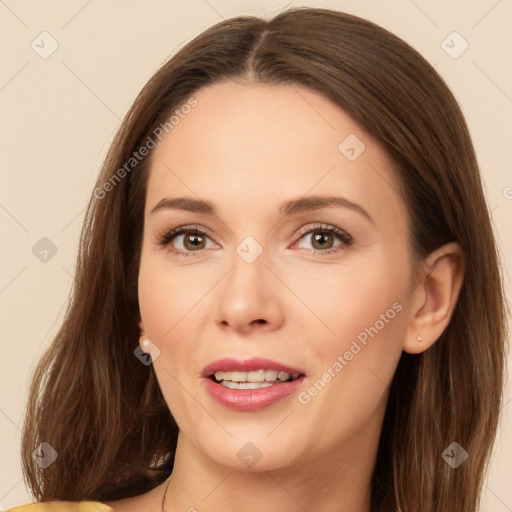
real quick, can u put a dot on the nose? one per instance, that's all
(249, 297)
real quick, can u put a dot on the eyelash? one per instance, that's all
(345, 239)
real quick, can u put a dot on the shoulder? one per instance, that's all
(150, 501)
(63, 506)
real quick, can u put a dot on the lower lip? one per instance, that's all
(251, 399)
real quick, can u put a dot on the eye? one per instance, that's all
(324, 239)
(191, 239)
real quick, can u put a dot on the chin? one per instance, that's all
(251, 454)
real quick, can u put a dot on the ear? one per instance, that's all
(142, 337)
(140, 322)
(435, 297)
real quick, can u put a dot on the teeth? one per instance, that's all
(245, 385)
(254, 377)
(239, 376)
(270, 375)
(258, 376)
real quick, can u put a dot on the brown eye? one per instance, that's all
(193, 241)
(186, 240)
(324, 239)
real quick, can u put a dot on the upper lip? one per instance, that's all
(254, 363)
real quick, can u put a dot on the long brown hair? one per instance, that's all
(101, 409)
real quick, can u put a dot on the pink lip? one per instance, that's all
(255, 363)
(250, 399)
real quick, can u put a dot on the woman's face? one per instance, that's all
(300, 257)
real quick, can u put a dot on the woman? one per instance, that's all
(287, 294)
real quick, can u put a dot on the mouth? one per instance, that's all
(253, 373)
(254, 379)
(252, 384)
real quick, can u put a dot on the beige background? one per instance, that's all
(59, 115)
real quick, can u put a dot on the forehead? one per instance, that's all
(245, 141)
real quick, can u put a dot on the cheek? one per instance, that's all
(356, 340)
(168, 296)
(352, 297)
(354, 360)
(167, 303)
(155, 298)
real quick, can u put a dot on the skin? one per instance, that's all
(247, 148)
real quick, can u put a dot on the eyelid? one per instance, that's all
(165, 237)
(319, 226)
(346, 240)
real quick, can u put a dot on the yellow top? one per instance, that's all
(63, 506)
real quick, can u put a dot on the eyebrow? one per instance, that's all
(291, 207)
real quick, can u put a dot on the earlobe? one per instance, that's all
(437, 297)
(144, 344)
